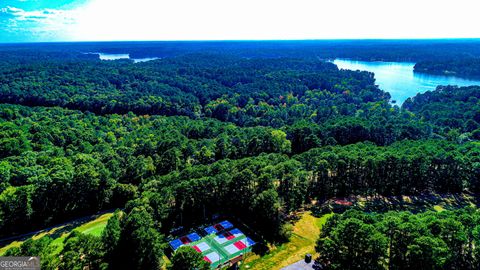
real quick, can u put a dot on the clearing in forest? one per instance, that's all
(59, 233)
(305, 234)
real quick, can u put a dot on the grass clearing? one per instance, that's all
(13, 244)
(53, 231)
(305, 234)
(93, 227)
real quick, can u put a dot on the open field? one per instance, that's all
(305, 233)
(93, 227)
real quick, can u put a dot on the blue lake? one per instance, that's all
(399, 80)
(111, 56)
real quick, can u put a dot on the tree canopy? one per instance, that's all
(170, 142)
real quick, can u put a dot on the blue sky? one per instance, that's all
(101, 20)
(36, 20)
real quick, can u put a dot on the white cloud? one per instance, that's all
(255, 19)
(41, 25)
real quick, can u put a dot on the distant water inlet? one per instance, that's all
(114, 56)
(108, 56)
(399, 79)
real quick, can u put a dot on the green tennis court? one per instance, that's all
(219, 243)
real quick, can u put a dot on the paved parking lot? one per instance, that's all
(300, 265)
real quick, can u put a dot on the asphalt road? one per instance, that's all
(300, 265)
(7, 240)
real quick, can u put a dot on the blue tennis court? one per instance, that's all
(226, 224)
(194, 237)
(250, 242)
(210, 230)
(236, 232)
(176, 244)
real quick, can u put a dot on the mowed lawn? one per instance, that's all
(96, 226)
(305, 234)
(93, 227)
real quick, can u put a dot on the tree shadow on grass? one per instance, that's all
(413, 203)
(260, 249)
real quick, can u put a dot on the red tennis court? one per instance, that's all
(240, 245)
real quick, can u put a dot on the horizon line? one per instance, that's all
(245, 40)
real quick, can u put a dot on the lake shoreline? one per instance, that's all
(399, 78)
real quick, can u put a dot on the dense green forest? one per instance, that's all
(463, 67)
(458, 57)
(401, 240)
(449, 109)
(247, 92)
(172, 141)
(368, 50)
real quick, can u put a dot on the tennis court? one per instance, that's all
(218, 243)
